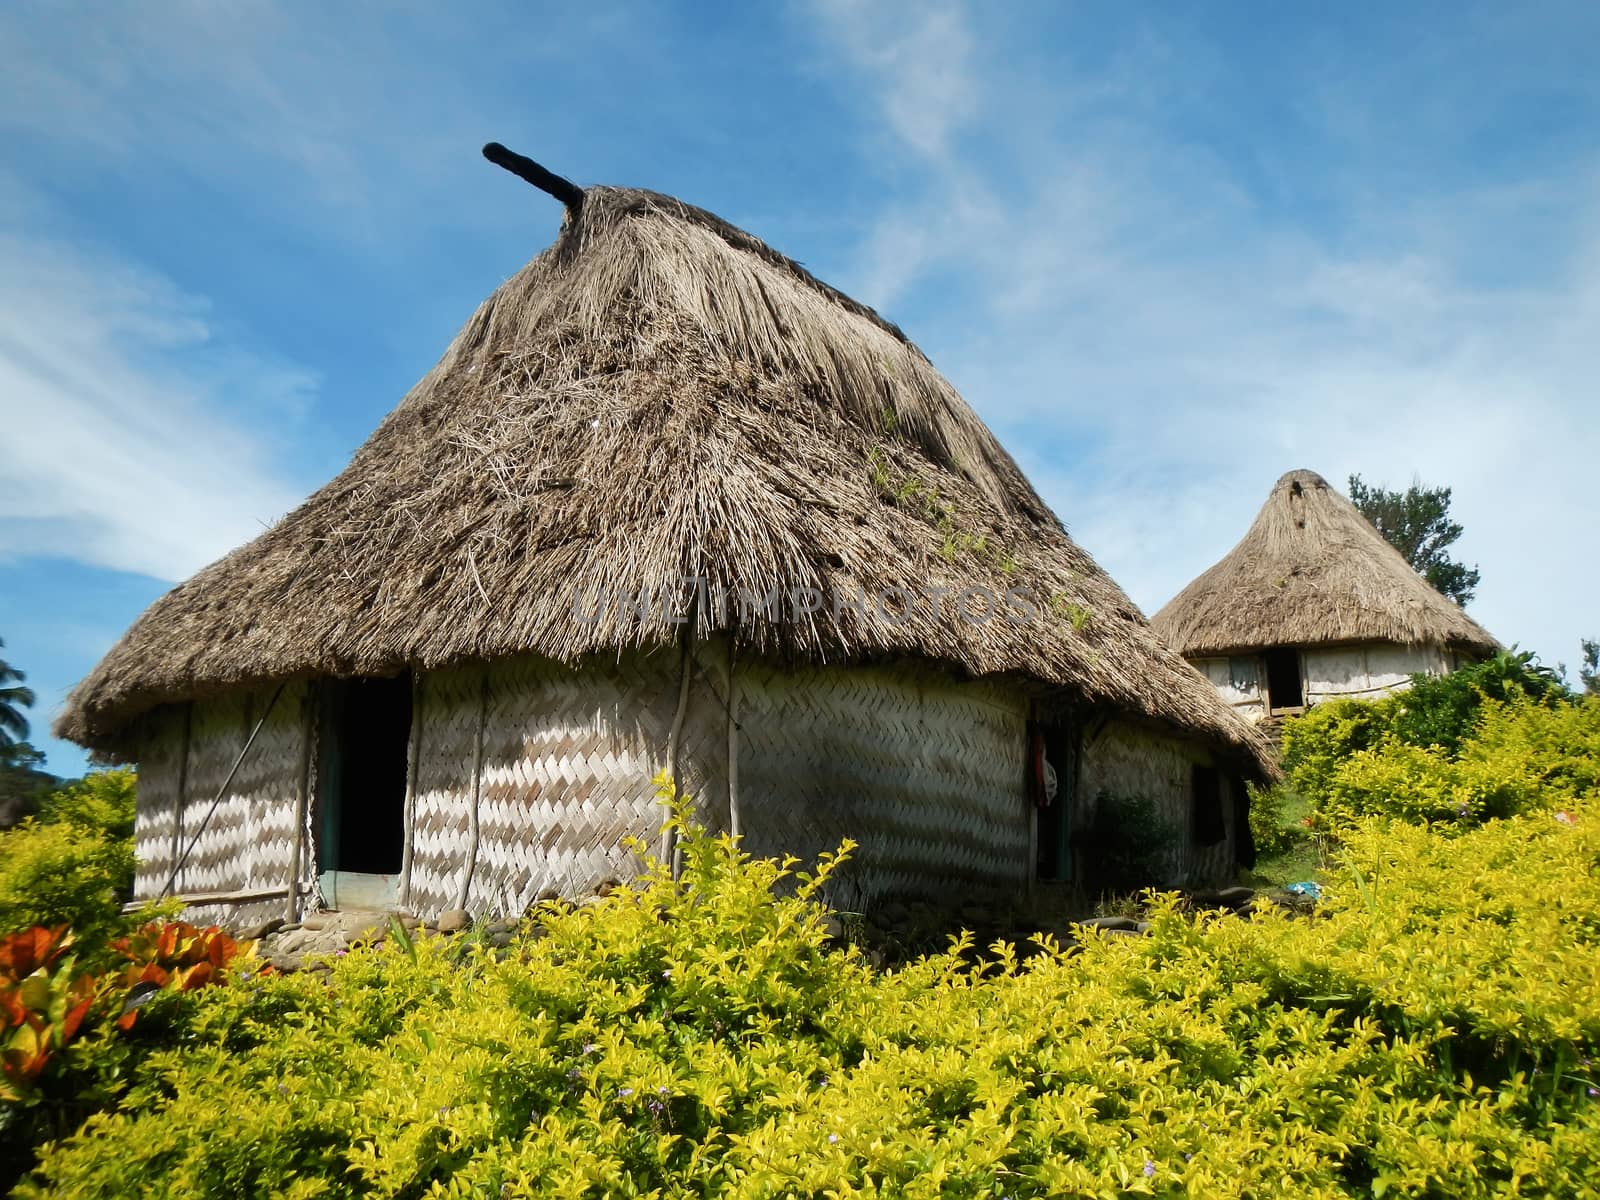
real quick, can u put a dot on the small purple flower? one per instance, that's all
(590, 1047)
(1594, 1091)
(667, 974)
(661, 1091)
(1149, 1169)
(656, 1107)
(624, 1092)
(833, 1139)
(574, 1074)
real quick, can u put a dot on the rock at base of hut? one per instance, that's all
(453, 920)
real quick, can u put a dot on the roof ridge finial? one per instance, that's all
(525, 168)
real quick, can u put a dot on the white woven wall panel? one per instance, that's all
(448, 709)
(160, 772)
(569, 759)
(267, 784)
(248, 840)
(219, 860)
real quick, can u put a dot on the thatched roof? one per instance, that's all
(1312, 571)
(657, 396)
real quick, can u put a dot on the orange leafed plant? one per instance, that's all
(176, 953)
(42, 1004)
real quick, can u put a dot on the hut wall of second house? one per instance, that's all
(1368, 672)
(925, 773)
(1125, 760)
(1240, 682)
(566, 775)
(1329, 673)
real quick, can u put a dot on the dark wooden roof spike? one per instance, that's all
(564, 190)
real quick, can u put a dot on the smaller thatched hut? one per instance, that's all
(1313, 604)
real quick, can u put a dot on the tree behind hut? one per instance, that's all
(1589, 668)
(1417, 523)
(13, 699)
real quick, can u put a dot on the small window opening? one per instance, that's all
(1206, 823)
(366, 730)
(1283, 678)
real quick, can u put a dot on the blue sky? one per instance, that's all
(1168, 251)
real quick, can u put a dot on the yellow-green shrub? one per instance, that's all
(101, 800)
(1441, 714)
(63, 874)
(1522, 755)
(1428, 1037)
(1318, 742)
(73, 863)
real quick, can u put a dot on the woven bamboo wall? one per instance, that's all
(267, 784)
(1123, 759)
(445, 719)
(248, 840)
(155, 819)
(567, 762)
(925, 773)
(219, 859)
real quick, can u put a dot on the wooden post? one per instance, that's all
(302, 802)
(735, 827)
(473, 831)
(669, 840)
(183, 786)
(413, 763)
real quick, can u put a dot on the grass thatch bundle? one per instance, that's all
(658, 396)
(1312, 571)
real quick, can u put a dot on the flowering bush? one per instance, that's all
(1430, 1035)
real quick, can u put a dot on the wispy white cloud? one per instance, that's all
(917, 58)
(111, 382)
(1160, 347)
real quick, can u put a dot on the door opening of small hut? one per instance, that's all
(1053, 770)
(1284, 688)
(361, 790)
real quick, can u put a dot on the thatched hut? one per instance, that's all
(1314, 604)
(667, 501)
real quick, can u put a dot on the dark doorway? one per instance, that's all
(1207, 826)
(1244, 841)
(1055, 747)
(1283, 679)
(366, 728)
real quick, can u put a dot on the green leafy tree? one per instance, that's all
(13, 699)
(1589, 669)
(1417, 523)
